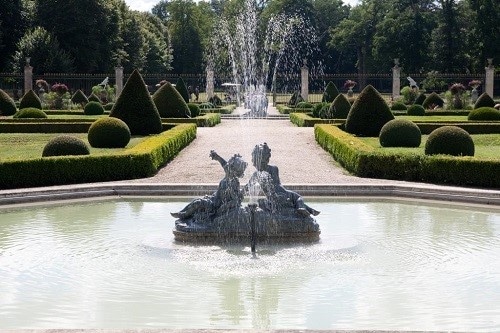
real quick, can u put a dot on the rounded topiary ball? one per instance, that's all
(449, 140)
(109, 132)
(195, 109)
(484, 113)
(398, 106)
(400, 133)
(416, 110)
(65, 145)
(93, 108)
(30, 113)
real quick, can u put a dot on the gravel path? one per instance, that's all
(294, 150)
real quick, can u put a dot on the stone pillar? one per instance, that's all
(304, 81)
(210, 87)
(118, 79)
(28, 76)
(396, 80)
(489, 78)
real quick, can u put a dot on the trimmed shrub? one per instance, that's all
(194, 109)
(108, 107)
(331, 92)
(317, 109)
(484, 100)
(136, 107)
(432, 101)
(420, 99)
(340, 107)
(416, 110)
(449, 140)
(109, 132)
(398, 106)
(304, 105)
(295, 99)
(94, 98)
(484, 113)
(400, 133)
(80, 98)
(206, 105)
(324, 111)
(180, 86)
(215, 100)
(93, 108)
(7, 105)
(170, 103)
(30, 100)
(368, 113)
(30, 113)
(65, 145)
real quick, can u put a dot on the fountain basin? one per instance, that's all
(379, 265)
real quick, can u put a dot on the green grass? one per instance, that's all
(19, 146)
(486, 146)
(435, 118)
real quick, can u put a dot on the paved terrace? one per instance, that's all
(304, 167)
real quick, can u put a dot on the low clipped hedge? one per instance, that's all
(305, 120)
(206, 120)
(484, 113)
(363, 161)
(141, 161)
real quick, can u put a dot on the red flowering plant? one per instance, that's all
(475, 83)
(349, 84)
(457, 88)
(60, 88)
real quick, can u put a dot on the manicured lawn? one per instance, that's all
(486, 146)
(14, 146)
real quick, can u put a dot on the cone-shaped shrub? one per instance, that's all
(368, 113)
(484, 100)
(340, 107)
(94, 98)
(30, 100)
(79, 98)
(170, 103)
(136, 107)
(420, 99)
(432, 101)
(182, 89)
(331, 92)
(7, 104)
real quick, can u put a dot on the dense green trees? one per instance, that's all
(91, 36)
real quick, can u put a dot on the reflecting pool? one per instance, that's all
(380, 264)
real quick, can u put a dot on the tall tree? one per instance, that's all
(87, 29)
(486, 29)
(13, 24)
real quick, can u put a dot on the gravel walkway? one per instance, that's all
(294, 150)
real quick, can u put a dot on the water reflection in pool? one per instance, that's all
(379, 265)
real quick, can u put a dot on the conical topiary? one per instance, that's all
(136, 107)
(7, 104)
(484, 100)
(340, 107)
(79, 98)
(30, 100)
(94, 98)
(368, 113)
(182, 89)
(170, 103)
(331, 92)
(420, 99)
(432, 101)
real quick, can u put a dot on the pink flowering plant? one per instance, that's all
(475, 83)
(349, 84)
(60, 88)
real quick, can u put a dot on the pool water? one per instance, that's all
(380, 264)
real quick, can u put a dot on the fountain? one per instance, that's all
(279, 215)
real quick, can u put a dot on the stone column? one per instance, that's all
(488, 81)
(28, 76)
(304, 81)
(396, 79)
(118, 79)
(210, 87)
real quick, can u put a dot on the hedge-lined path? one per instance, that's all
(294, 150)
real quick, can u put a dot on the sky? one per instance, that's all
(146, 5)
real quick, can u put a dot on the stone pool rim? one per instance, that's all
(396, 191)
